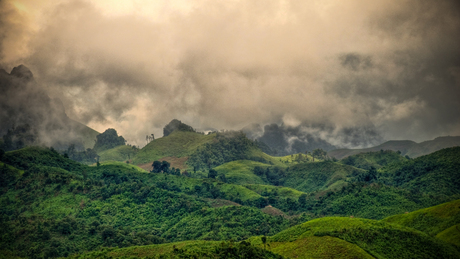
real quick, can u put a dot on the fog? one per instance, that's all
(372, 69)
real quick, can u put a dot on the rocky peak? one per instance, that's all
(22, 71)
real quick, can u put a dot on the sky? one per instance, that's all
(393, 66)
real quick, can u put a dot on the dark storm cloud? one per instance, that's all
(414, 89)
(364, 68)
(355, 61)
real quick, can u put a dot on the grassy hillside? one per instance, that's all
(226, 223)
(186, 249)
(328, 175)
(120, 153)
(177, 144)
(373, 159)
(451, 236)
(378, 239)
(406, 147)
(281, 192)
(241, 172)
(432, 220)
(436, 174)
(125, 166)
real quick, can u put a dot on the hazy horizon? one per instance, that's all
(392, 68)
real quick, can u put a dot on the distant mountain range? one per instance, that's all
(406, 147)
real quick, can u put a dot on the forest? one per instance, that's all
(53, 206)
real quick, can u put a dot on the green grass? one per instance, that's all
(185, 249)
(432, 220)
(377, 238)
(12, 168)
(451, 235)
(124, 165)
(120, 153)
(239, 191)
(241, 172)
(318, 247)
(225, 223)
(282, 161)
(327, 175)
(373, 159)
(283, 192)
(177, 144)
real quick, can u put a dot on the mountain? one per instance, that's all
(406, 147)
(52, 206)
(329, 237)
(176, 125)
(338, 237)
(285, 140)
(30, 117)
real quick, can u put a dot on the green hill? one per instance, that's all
(186, 249)
(433, 220)
(119, 153)
(406, 147)
(241, 172)
(344, 237)
(437, 174)
(226, 223)
(373, 159)
(327, 175)
(176, 144)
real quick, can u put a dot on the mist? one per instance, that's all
(367, 70)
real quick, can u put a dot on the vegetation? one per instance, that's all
(226, 147)
(119, 153)
(52, 206)
(188, 249)
(432, 220)
(376, 238)
(176, 144)
(176, 125)
(374, 159)
(107, 140)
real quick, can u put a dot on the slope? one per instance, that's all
(436, 174)
(335, 237)
(327, 175)
(373, 159)
(432, 220)
(119, 153)
(177, 144)
(406, 147)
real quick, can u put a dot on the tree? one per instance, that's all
(107, 140)
(264, 240)
(156, 167)
(165, 166)
(258, 170)
(212, 173)
(319, 153)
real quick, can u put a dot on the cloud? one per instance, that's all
(215, 64)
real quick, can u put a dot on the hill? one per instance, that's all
(186, 249)
(176, 144)
(376, 160)
(436, 174)
(406, 147)
(433, 220)
(327, 175)
(335, 237)
(119, 153)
